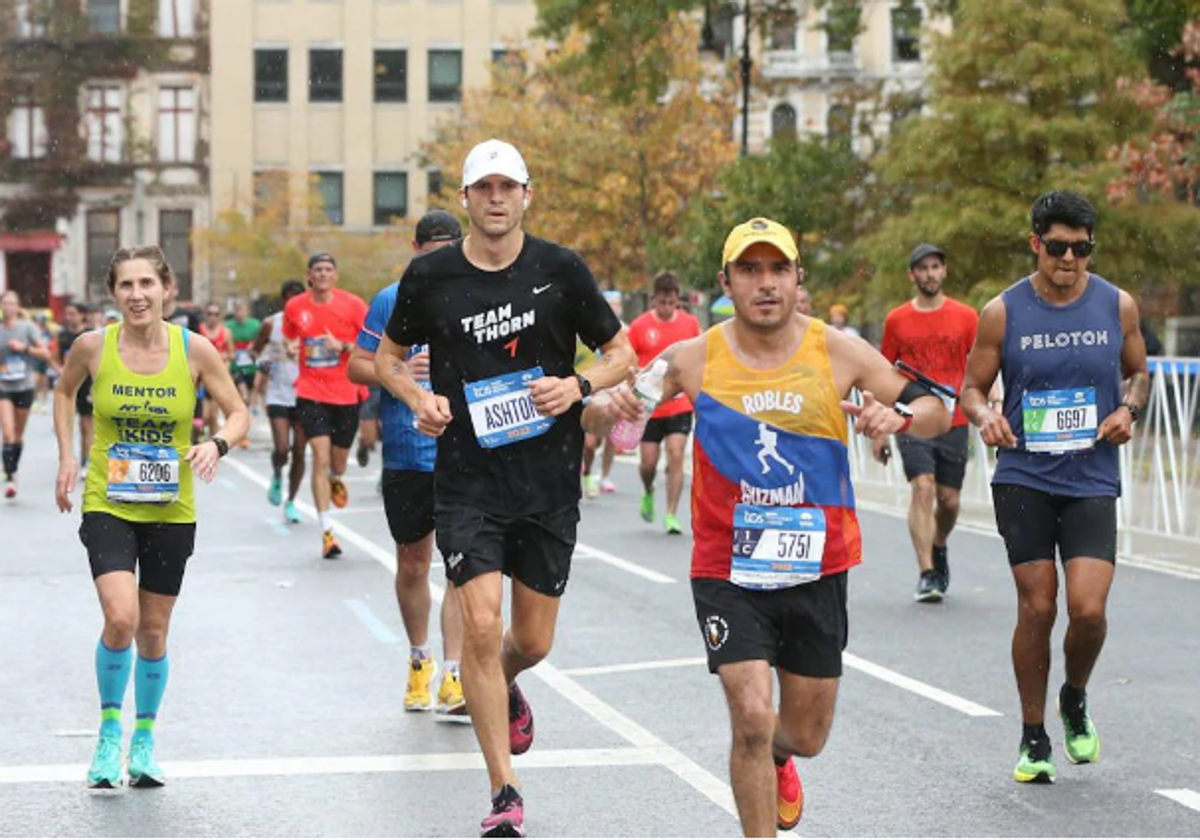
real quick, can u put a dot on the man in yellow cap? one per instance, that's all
(773, 509)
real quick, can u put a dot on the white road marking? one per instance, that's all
(341, 765)
(587, 551)
(1186, 798)
(635, 666)
(918, 687)
(372, 622)
(678, 763)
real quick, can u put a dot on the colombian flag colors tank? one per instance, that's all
(770, 438)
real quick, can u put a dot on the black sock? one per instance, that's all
(278, 462)
(10, 465)
(1071, 698)
(1034, 733)
(18, 448)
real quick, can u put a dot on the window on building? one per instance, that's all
(105, 141)
(176, 19)
(177, 124)
(31, 19)
(324, 75)
(435, 182)
(838, 123)
(391, 75)
(104, 17)
(445, 75)
(906, 34)
(103, 239)
(329, 189)
(271, 195)
(271, 75)
(783, 120)
(783, 30)
(175, 239)
(27, 128)
(508, 61)
(391, 196)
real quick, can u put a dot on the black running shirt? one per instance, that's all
(483, 324)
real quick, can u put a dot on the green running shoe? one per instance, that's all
(1034, 765)
(647, 510)
(144, 771)
(105, 772)
(1079, 735)
(275, 492)
(672, 524)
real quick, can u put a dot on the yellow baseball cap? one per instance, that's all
(755, 231)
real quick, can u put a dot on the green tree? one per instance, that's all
(1157, 27)
(1016, 109)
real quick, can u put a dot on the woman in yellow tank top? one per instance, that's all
(139, 513)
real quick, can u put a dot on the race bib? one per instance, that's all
(502, 410)
(776, 548)
(318, 355)
(1059, 421)
(12, 368)
(140, 472)
(243, 359)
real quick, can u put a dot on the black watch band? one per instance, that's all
(585, 386)
(1134, 411)
(222, 446)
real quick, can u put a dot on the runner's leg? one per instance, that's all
(753, 722)
(483, 676)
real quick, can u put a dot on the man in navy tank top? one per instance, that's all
(1063, 340)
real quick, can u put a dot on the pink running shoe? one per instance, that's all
(607, 486)
(507, 818)
(520, 722)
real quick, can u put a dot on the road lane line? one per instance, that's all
(373, 623)
(342, 765)
(1186, 798)
(683, 767)
(634, 666)
(917, 687)
(594, 553)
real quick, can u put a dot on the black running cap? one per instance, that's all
(922, 251)
(438, 226)
(323, 256)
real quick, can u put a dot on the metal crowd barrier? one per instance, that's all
(1160, 466)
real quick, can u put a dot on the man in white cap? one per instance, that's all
(501, 312)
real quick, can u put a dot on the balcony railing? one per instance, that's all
(797, 64)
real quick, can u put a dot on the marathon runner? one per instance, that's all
(278, 360)
(20, 343)
(74, 316)
(408, 458)
(772, 506)
(213, 328)
(139, 515)
(1063, 340)
(501, 313)
(326, 321)
(243, 330)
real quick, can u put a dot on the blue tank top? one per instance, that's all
(1062, 376)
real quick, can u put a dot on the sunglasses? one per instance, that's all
(213, 312)
(1057, 248)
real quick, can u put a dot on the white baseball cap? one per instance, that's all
(494, 157)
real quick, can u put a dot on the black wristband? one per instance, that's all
(1134, 411)
(222, 446)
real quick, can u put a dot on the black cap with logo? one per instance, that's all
(438, 226)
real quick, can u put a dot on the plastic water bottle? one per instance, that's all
(648, 388)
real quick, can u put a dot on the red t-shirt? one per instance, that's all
(221, 338)
(934, 342)
(650, 336)
(323, 376)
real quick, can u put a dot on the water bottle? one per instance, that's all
(648, 388)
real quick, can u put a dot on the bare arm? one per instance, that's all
(214, 374)
(983, 365)
(861, 366)
(685, 362)
(264, 336)
(432, 410)
(77, 368)
(1117, 428)
(554, 395)
(361, 367)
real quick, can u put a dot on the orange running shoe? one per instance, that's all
(338, 494)
(791, 796)
(329, 546)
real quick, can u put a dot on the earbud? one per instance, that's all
(464, 204)
(525, 202)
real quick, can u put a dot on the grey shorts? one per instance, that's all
(944, 457)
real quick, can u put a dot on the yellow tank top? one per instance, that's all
(143, 425)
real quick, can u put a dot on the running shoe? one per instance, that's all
(591, 486)
(338, 494)
(450, 699)
(607, 486)
(290, 513)
(418, 697)
(1080, 736)
(105, 772)
(329, 546)
(10, 489)
(507, 818)
(144, 771)
(275, 491)
(647, 509)
(790, 795)
(520, 722)
(941, 565)
(929, 588)
(1035, 764)
(672, 524)
(363, 455)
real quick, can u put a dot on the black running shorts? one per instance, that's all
(282, 412)
(83, 399)
(802, 630)
(657, 428)
(408, 503)
(535, 549)
(1034, 522)
(156, 551)
(944, 457)
(21, 400)
(339, 423)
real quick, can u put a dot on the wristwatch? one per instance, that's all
(1134, 411)
(222, 446)
(585, 386)
(907, 413)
